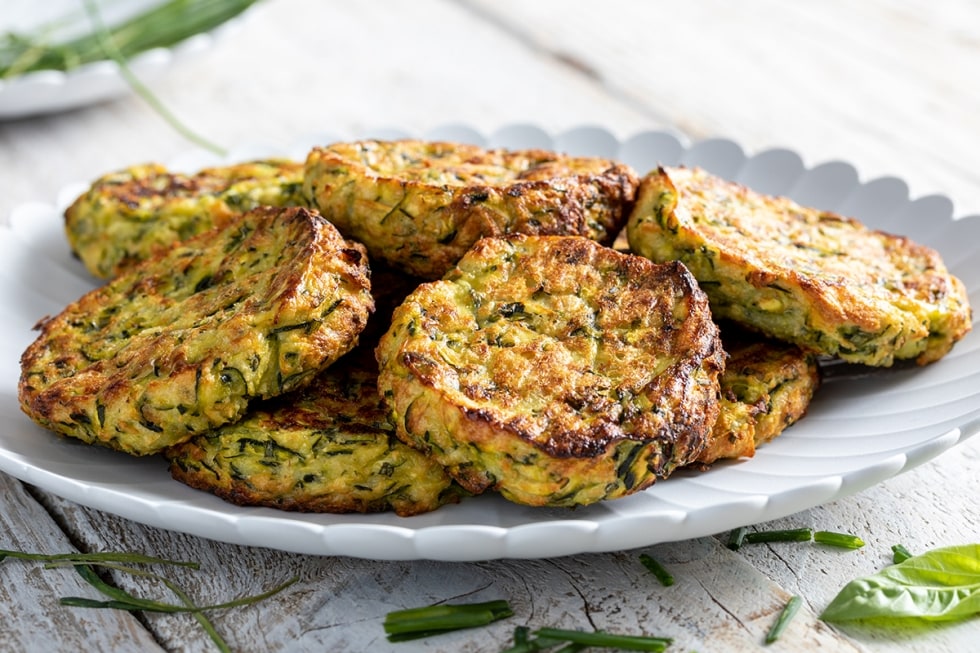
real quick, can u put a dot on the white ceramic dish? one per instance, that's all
(863, 427)
(50, 91)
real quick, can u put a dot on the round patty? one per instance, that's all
(420, 205)
(182, 343)
(326, 448)
(127, 216)
(555, 370)
(766, 387)
(814, 278)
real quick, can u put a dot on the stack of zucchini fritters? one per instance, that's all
(400, 324)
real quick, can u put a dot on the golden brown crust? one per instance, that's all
(766, 387)
(127, 216)
(554, 370)
(326, 448)
(815, 278)
(420, 205)
(183, 342)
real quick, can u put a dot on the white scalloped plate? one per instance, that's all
(861, 428)
(50, 91)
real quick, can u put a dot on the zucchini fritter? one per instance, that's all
(555, 370)
(767, 386)
(814, 278)
(180, 344)
(127, 216)
(326, 448)
(420, 205)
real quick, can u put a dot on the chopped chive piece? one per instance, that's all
(571, 647)
(412, 614)
(788, 535)
(736, 538)
(623, 642)
(521, 634)
(524, 644)
(415, 623)
(657, 570)
(900, 554)
(785, 615)
(842, 540)
(544, 644)
(541, 643)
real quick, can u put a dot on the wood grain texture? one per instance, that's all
(340, 603)
(346, 68)
(888, 86)
(913, 509)
(721, 600)
(31, 616)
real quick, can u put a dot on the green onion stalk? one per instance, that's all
(162, 26)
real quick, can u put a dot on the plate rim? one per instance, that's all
(431, 537)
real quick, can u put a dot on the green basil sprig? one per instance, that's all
(939, 585)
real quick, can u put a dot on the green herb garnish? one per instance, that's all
(939, 585)
(785, 615)
(112, 51)
(608, 640)
(415, 623)
(788, 535)
(83, 564)
(657, 570)
(740, 536)
(842, 540)
(161, 26)
(900, 554)
(736, 538)
(523, 643)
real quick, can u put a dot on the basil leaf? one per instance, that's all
(942, 584)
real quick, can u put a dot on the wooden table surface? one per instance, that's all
(890, 86)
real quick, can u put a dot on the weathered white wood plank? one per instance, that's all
(719, 601)
(720, 598)
(300, 67)
(29, 611)
(914, 509)
(889, 86)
